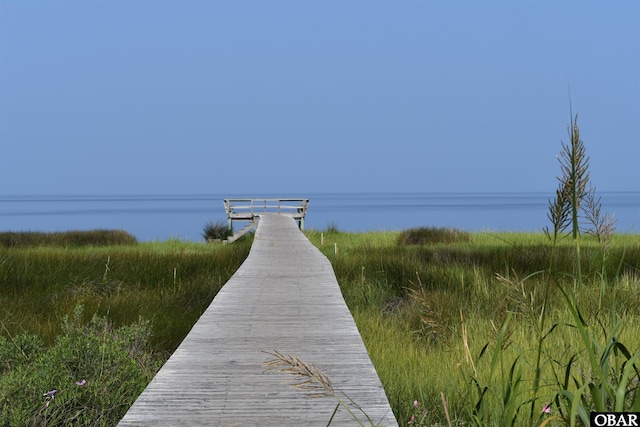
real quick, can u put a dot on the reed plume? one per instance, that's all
(305, 377)
(315, 383)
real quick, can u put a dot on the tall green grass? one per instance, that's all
(169, 283)
(66, 238)
(462, 320)
(83, 329)
(454, 326)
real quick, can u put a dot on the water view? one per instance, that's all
(162, 217)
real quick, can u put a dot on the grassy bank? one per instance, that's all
(88, 323)
(78, 238)
(483, 325)
(477, 328)
(169, 283)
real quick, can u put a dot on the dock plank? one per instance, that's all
(284, 297)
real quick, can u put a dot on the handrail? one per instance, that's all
(247, 209)
(255, 206)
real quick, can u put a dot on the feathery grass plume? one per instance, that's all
(574, 164)
(564, 211)
(307, 378)
(314, 383)
(602, 225)
(559, 212)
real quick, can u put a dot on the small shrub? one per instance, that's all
(90, 376)
(332, 228)
(215, 230)
(16, 350)
(426, 235)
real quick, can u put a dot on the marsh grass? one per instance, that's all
(427, 235)
(137, 303)
(74, 238)
(459, 320)
(464, 320)
(169, 283)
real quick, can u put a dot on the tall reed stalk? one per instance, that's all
(606, 386)
(608, 378)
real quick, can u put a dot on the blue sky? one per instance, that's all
(297, 97)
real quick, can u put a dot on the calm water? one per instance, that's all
(161, 217)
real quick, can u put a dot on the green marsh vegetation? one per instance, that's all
(67, 238)
(169, 283)
(502, 329)
(74, 310)
(453, 318)
(425, 311)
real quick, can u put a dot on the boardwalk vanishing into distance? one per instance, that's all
(285, 298)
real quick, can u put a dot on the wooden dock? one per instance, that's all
(284, 297)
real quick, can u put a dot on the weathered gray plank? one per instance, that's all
(284, 297)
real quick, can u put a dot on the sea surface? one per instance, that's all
(170, 216)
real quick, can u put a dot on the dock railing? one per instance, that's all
(248, 209)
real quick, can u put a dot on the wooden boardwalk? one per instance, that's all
(284, 297)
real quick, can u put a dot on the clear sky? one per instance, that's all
(295, 97)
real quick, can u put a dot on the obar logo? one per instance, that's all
(606, 419)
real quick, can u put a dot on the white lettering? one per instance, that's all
(600, 420)
(616, 420)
